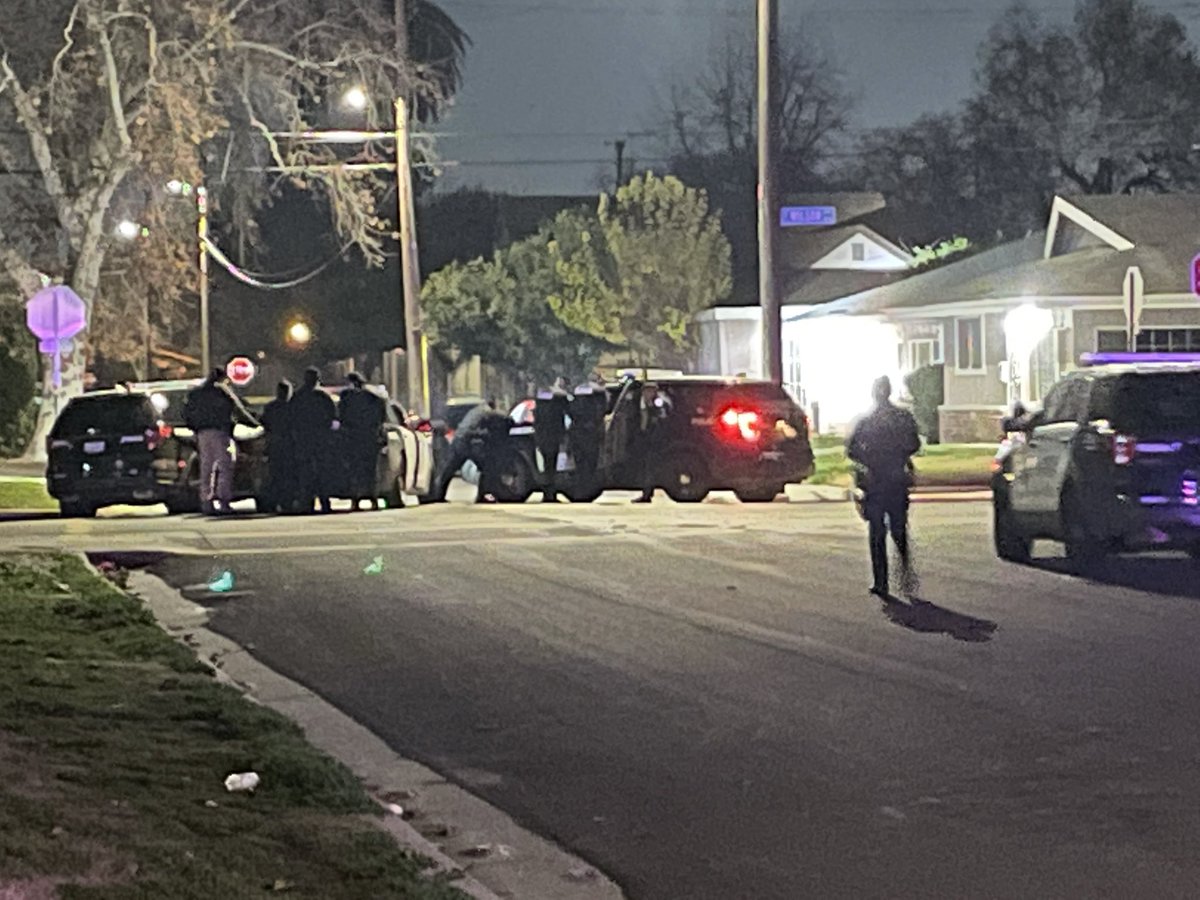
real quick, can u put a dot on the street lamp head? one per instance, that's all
(356, 99)
(128, 229)
(299, 334)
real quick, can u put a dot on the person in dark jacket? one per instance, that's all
(549, 430)
(361, 413)
(279, 495)
(882, 445)
(210, 411)
(481, 438)
(312, 417)
(653, 409)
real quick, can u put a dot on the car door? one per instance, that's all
(1041, 465)
(620, 431)
(393, 459)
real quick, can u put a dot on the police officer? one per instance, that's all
(481, 438)
(586, 434)
(210, 411)
(361, 413)
(280, 491)
(882, 445)
(654, 408)
(312, 413)
(549, 429)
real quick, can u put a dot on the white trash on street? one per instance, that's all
(242, 781)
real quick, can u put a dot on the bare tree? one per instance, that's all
(103, 102)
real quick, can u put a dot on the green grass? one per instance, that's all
(25, 493)
(115, 742)
(939, 465)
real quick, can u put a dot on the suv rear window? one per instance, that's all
(107, 415)
(1160, 401)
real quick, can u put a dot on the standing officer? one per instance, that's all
(586, 435)
(654, 408)
(362, 412)
(312, 433)
(549, 429)
(882, 445)
(280, 493)
(211, 411)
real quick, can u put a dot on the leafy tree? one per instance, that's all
(103, 102)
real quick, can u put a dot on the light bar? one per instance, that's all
(1107, 359)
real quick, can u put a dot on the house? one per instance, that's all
(818, 264)
(1009, 322)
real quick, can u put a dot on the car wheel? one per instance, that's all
(760, 494)
(1082, 548)
(1011, 545)
(685, 479)
(514, 482)
(77, 510)
(185, 503)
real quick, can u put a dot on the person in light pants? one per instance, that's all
(218, 456)
(210, 412)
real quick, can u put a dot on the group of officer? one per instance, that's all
(308, 436)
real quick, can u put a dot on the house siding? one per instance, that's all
(1088, 322)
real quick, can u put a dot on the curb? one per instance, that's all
(499, 858)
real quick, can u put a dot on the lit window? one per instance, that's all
(969, 356)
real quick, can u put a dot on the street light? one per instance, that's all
(355, 98)
(299, 334)
(128, 230)
(1024, 329)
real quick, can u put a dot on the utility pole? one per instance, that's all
(202, 233)
(620, 145)
(415, 348)
(768, 289)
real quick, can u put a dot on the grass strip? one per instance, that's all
(114, 746)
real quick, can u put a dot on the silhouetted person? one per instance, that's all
(549, 429)
(653, 409)
(882, 445)
(211, 411)
(312, 414)
(481, 438)
(586, 434)
(279, 494)
(362, 413)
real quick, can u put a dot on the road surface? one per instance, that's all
(706, 703)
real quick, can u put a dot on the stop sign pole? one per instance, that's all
(1134, 290)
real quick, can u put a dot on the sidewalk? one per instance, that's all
(22, 468)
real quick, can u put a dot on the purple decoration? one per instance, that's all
(1101, 359)
(55, 315)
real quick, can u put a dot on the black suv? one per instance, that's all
(716, 434)
(129, 446)
(1110, 463)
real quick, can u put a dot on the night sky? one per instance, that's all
(554, 80)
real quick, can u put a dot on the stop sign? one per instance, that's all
(240, 370)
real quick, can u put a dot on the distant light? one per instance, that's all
(128, 230)
(299, 334)
(175, 186)
(159, 401)
(355, 98)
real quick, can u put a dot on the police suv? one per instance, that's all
(1109, 463)
(711, 433)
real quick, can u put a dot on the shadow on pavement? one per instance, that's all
(1175, 576)
(28, 515)
(928, 618)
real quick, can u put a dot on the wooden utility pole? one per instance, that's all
(417, 382)
(768, 130)
(620, 145)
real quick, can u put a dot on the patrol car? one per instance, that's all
(1110, 463)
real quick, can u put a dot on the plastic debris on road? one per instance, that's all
(395, 809)
(375, 567)
(222, 583)
(242, 781)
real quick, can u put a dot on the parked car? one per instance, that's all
(1110, 463)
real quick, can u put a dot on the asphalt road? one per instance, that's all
(706, 703)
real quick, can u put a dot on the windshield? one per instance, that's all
(107, 415)
(1167, 402)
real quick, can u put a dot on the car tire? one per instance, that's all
(685, 479)
(760, 494)
(77, 510)
(1083, 549)
(514, 482)
(184, 503)
(1011, 544)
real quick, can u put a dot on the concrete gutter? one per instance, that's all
(464, 836)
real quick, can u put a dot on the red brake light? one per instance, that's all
(740, 423)
(1124, 448)
(155, 436)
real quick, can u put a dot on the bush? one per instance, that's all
(927, 388)
(18, 380)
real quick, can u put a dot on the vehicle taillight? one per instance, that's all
(155, 436)
(740, 423)
(56, 444)
(1124, 447)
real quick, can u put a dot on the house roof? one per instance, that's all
(1160, 234)
(812, 287)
